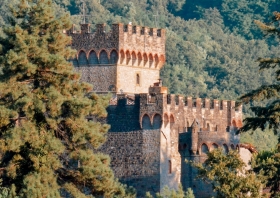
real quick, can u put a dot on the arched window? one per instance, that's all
(172, 120)
(114, 57)
(234, 123)
(157, 121)
(214, 146)
(204, 149)
(225, 148)
(82, 59)
(137, 79)
(139, 57)
(146, 122)
(103, 58)
(93, 59)
(128, 57)
(134, 59)
(151, 60)
(156, 61)
(122, 56)
(145, 57)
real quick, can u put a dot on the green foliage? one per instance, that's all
(267, 164)
(263, 140)
(228, 175)
(46, 142)
(266, 115)
(168, 193)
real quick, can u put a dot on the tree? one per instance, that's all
(228, 175)
(267, 165)
(168, 193)
(266, 115)
(46, 143)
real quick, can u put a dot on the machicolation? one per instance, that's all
(152, 132)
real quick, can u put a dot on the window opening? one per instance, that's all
(137, 79)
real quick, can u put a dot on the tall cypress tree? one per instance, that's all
(46, 143)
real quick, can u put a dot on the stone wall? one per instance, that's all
(135, 159)
(126, 78)
(102, 77)
(123, 118)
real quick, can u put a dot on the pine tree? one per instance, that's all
(46, 142)
(266, 115)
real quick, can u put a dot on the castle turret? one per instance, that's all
(194, 137)
(126, 59)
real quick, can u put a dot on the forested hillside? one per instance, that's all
(212, 45)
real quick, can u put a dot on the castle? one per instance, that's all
(152, 132)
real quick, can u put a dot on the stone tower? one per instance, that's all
(126, 59)
(151, 134)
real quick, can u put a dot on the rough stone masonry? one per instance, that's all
(152, 133)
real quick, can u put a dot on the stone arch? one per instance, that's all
(165, 119)
(204, 149)
(134, 59)
(82, 58)
(128, 57)
(151, 60)
(225, 148)
(114, 57)
(234, 123)
(145, 58)
(239, 123)
(103, 57)
(93, 59)
(157, 121)
(122, 56)
(156, 61)
(146, 122)
(161, 60)
(214, 146)
(139, 58)
(237, 147)
(171, 120)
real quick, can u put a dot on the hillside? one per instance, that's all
(212, 45)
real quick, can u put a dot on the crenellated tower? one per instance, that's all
(152, 132)
(126, 59)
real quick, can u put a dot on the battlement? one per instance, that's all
(178, 100)
(123, 44)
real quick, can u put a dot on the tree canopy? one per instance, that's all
(229, 176)
(268, 113)
(46, 142)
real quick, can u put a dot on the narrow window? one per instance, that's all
(170, 167)
(137, 79)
